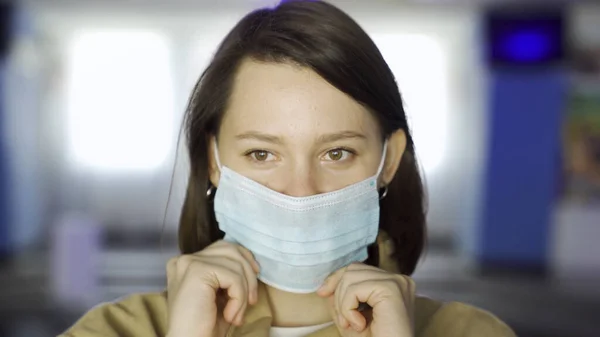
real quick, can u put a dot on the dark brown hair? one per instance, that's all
(320, 37)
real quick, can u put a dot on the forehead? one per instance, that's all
(291, 100)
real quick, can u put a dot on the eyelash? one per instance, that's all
(251, 155)
(351, 152)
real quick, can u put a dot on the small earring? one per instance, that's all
(385, 192)
(210, 191)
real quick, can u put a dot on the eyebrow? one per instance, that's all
(326, 138)
(333, 137)
(264, 137)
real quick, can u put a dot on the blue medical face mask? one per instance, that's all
(298, 241)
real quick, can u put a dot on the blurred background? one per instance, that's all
(503, 98)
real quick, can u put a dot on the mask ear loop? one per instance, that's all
(382, 162)
(211, 189)
(380, 169)
(216, 153)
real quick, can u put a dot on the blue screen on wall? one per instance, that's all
(524, 38)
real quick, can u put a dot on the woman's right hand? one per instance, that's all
(210, 290)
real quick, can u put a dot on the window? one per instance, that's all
(120, 100)
(420, 67)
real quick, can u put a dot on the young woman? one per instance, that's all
(304, 213)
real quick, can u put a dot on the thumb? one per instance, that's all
(344, 328)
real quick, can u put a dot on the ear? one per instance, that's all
(214, 173)
(396, 145)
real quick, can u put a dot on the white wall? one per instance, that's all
(443, 92)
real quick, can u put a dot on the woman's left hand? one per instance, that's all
(390, 299)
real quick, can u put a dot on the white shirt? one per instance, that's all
(297, 332)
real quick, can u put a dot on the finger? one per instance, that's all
(331, 283)
(226, 274)
(333, 310)
(236, 304)
(251, 269)
(406, 286)
(338, 295)
(250, 258)
(245, 258)
(357, 274)
(249, 276)
(338, 319)
(353, 273)
(356, 293)
(244, 268)
(241, 267)
(242, 271)
(349, 320)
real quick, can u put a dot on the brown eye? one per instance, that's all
(261, 155)
(336, 154)
(339, 154)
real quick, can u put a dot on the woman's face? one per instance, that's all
(290, 130)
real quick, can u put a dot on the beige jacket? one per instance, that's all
(145, 315)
